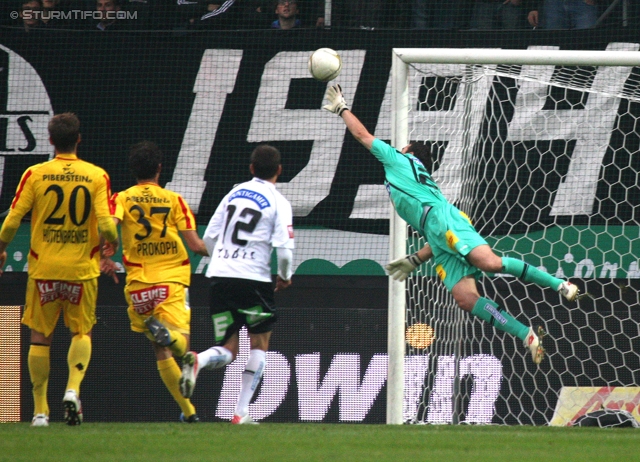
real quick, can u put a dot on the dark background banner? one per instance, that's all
(131, 86)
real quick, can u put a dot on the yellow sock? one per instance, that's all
(38, 360)
(170, 374)
(179, 345)
(78, 359)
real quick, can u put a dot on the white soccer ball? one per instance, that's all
(325, 64)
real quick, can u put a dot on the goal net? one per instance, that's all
(539, 147)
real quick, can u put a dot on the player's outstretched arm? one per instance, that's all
(401, 268)
(338, 105)
(194, 242)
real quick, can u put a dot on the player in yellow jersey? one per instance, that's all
(158, 269)
(69, 200)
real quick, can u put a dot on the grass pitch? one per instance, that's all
(271, 442)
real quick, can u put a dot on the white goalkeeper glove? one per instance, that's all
(338, 104)
(400, 269)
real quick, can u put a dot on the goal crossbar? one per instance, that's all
(515, 57)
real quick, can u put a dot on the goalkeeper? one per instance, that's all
(460, 254)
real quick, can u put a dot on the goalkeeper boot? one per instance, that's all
(246, 420)
(534, 343)
(72, 408)
(569, 291)
(190, 371)
(193, 418)
(40, 420)
(160, 333)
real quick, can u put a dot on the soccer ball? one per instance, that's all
(325, 64)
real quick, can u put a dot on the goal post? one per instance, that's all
(536, 147)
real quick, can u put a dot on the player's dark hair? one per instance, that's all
(422, 152)
(145, 158)
(265, 160)
(64, 130)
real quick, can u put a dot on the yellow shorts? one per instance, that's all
(76, 300)
(167, 301)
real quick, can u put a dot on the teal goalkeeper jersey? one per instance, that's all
(411, 188)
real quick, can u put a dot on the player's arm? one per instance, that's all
(108, 250)
(104, 205)
(109, 234)
(21, 204)
(194, 242)
(3, 254)
(7, 233)
(338, 105)
(401, 268)
(214, 227)
(285, 268)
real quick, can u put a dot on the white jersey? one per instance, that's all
(251, 220)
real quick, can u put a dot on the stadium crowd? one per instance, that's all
(289, 14)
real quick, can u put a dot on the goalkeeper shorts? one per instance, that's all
(452, 236)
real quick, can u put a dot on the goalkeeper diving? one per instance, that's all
(460, 254)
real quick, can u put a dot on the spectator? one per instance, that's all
(436, 14)
(219, 15)
(313, 13)
(64, 259)
(30, 13)
(564, 14)
(363, 14)
(108, 10)
(49, 18)
(287, 12)
(144, 12)
(498, 14)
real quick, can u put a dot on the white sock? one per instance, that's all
(214, 358)
(250, 380)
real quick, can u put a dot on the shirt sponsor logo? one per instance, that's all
(256, 197)
(452, 240)
(145, 300)
(67, 177)
(148, 199)
(59, 290)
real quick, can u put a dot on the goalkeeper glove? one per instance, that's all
(338, 104)
(400, 269)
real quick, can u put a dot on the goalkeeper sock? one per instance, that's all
(39, 366)
(78, 359)
(490, 312)
(170, 374)
(528, 273)
(250, 380)
(214, 358)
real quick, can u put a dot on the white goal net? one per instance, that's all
(540, 148)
